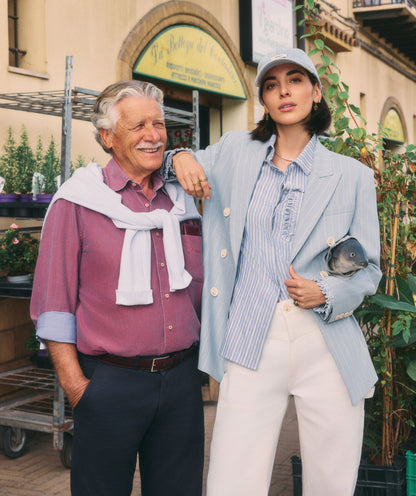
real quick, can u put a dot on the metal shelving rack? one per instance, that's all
(77, 103)
(40, 386)
(42, 405)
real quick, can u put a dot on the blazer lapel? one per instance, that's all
(320, 188)
(249, 161)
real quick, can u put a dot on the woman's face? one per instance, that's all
(288, 94)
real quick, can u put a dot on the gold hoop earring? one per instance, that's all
(315, 107)
(266, 116)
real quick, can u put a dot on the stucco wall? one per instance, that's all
(94, 33)
(102, 36)
(379, 82)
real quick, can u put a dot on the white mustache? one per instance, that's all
(149, 147)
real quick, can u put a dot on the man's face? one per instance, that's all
(140, 137)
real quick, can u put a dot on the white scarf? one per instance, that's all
(86, 187)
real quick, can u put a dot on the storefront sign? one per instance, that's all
(264, 26)
(393, 127)
(188, 56)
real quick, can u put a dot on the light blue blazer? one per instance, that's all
(339, 200)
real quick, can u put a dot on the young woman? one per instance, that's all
(275, 324)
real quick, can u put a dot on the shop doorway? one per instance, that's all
(180, 137)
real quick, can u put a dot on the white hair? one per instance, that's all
(105, 114)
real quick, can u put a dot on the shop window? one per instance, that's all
(180, 137)
(15, 51)
(414, 129)
(27, 39)
(363, 105)
(394, 133)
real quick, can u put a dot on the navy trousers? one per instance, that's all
(124, 413)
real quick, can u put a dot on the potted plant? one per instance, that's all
(50, 170)
(388, 318)
(25, 161)
(79, 162)
(18, 254)
(8, 169)
(40, 355)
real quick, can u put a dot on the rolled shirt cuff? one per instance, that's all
(166, 170)
(57, 326)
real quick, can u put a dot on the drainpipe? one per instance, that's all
(300, 30)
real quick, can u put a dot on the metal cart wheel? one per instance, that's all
(66, 451)
(13, 441)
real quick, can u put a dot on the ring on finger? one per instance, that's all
(296, 303)
(204, 179)
(196, 184)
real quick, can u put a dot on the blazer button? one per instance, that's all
(330, 241)
(223, 253)
(323, 273)
(214, 291)
(226, 212)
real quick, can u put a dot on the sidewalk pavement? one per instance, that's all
(39, 471)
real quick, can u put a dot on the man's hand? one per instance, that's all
(305, 292)
(71, 378)
(75, 392)
(191, 175)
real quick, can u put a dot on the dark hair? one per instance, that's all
(319, 120)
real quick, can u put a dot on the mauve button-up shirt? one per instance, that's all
(74, 290)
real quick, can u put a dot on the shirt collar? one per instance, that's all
(116, 179)
(270, 147)
(304, 160)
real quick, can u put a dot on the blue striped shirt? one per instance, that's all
(265, 255)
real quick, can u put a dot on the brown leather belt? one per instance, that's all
(149, 363)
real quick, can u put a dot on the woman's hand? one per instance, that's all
(304, 292)
(191, 175)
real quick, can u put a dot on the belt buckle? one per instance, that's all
(154, 361)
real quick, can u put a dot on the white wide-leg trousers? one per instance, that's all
(252, 405)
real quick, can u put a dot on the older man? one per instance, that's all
(116, 298)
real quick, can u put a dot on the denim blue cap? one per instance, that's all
(284, 56)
